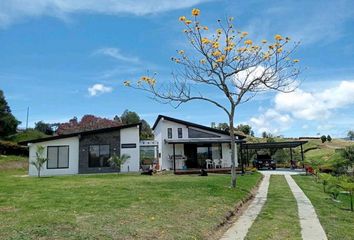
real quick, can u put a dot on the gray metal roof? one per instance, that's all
(201, 140)
(273, 145)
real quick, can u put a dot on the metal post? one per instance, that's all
(291, 157)
(174, 158)
(302, 157)
(27, 118)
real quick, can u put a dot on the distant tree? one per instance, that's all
(252, 133)
(146, 132)
(40, 159)
(117, 161)
(8, 123)
(323, 138)
(129, 117)
(270, 139)
(87, 122)
(264, 134)
(223, 126)
(350, 134)
(246, 129)
(348, 154)
(329, 138)
(43, 127)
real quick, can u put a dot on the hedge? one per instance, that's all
(10, 148)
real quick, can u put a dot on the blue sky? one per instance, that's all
(69, 58)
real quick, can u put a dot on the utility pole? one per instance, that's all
(27, 118)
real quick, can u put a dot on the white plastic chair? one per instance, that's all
(218, 163)
(209, 162)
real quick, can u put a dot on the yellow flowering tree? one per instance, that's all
(230, 64)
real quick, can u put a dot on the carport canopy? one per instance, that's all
(273, 145)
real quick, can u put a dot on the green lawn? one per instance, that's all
(335, 218)
(279, 218)
(118, 206)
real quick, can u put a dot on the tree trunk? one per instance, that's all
(39, 172)
(233, 164)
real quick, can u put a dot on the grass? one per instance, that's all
(279, 216)
(116, 206)
(29, 134)
(335, 217)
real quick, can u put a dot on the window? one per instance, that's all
(180, 133)
(99, 155)
(169, 132)
(58, 157)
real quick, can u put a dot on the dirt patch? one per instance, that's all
(11, 165)
(232, 216)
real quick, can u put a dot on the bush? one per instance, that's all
(9, 148)
(29, 134)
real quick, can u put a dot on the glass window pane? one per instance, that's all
(94, 153)
(52, 157)
(104, 155)
(63, 157)
(169, 132)
(216, 151)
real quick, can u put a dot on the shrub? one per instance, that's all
(10, 148)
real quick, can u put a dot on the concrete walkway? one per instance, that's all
(311, 228)
(240, 228)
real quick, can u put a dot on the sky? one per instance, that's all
(64, 58)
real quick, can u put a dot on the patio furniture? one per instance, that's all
(209, 163)
(218, 163)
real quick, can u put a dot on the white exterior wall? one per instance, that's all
(160, 133)
(73, 144)
(130, 135)
(226, 155)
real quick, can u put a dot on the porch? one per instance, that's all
(212, 155)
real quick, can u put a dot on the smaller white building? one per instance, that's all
(88, 151)
(184, 145)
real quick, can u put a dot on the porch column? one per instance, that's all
(174, 158)
(241, 156)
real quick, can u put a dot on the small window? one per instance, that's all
(180, 133)
(99, 155)
(58, 157)
(169, 132)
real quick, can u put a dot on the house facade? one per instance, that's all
(88, 151)
(184, 145)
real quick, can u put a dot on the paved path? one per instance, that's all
(240, 228)
(311, 228)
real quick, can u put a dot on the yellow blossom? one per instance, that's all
(248, 42)
(218, 31)
(182, 18)
(181, 52)
(264, 41)
(206, 28)
(279, 50)
(216, 53)
(244, 34)
(271, 46)
(188, 22)
(296, 60)
(195, 12)
(216, 44)
(203, 61)
(287, 39)
(221, 58)
(126, 83)
(231, 19)
(266, 56)
(205, 41)
(278, 37)
(228, 48)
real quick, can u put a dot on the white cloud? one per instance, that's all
(316, 105)
(116, 54)
(271, 121)
(14, 10)
(98, 89)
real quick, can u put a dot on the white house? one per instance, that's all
(88, 151)
(184, 145)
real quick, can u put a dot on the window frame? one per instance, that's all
(99, 153)
(58, 146)
(179, 132)
(169, 133)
